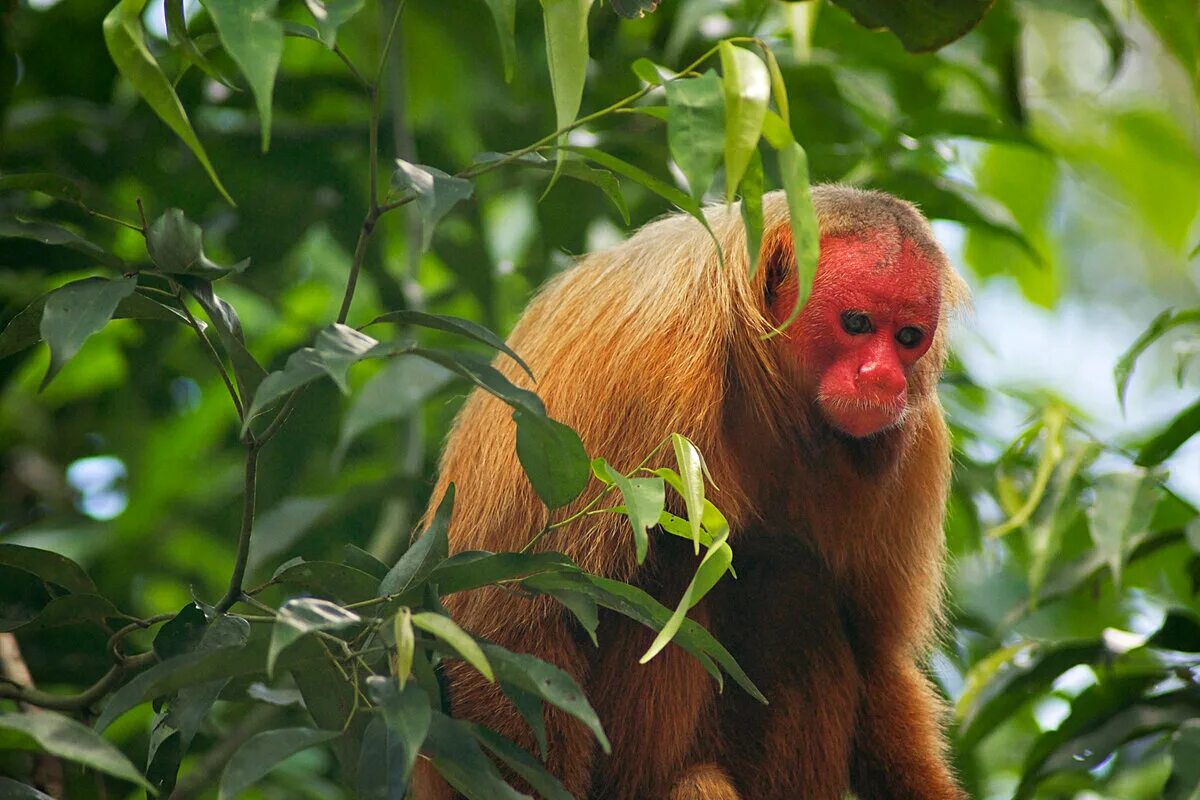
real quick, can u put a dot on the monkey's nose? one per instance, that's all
(881, 382)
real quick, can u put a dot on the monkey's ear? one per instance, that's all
(775, 264)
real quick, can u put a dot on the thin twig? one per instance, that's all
(243, 546)
(211, 351)
(86, 698)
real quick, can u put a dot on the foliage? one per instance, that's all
(183, 282)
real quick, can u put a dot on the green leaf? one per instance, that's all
(427, 552)
(567, 55)
(1164, 322)
(696, 128)
(305, 615)
(546, 785)
(176, 245)
(56, 235)
(74, 312)
(644, 499)
(52, 733)
(278, 529)
(263, 752)
(806, 235)
(127, 46)
(1123, 509)
(182, 633)
(548, 682)
(651, 73)
(715, 564)
(331, 15)
(691, 473)
(485, 376)
(455, 753)
(402, 632)
(407, 714)
(504, 13)
(329, 579)
(448, 631)
(572, 168)
(553, 458)
(1097, 13)
(532, 710)
(1184, 783)
(185, 46)
(634, 9)
(1184, 426)
(752, 209)
(69, 609)
(11, 790)
(475, 568)
(462, 327)
(778, 87)
(246, 369)
(920, 25)
(362, 560)
(254, 40)
(397, 390)
(49, 566)
(47, 183)
(436, 193)
(746, 84)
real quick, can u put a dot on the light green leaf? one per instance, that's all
(806, 237)
(302, 616)
(254, 40)
(695, 128)
(436, 193)
(752, 209)
(747, 88)
(716, 562)
(504, 13)
(553, 458)
(263, 752)
(394, 392)
(1164, 322)
(567, 54)
(691, 473)
(52, 733)
(331, 15)
(127, 46)
(402, 632)
(448, 631)
(1123, 509)
(74, 312)
(644, 499)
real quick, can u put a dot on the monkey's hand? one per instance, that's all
(704, 782)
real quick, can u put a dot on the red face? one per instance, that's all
(872, 315)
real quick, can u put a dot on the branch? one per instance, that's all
(86, 698)
(47, 770)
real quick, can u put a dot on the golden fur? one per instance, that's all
(842, 539)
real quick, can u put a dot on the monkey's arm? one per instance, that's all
(899, 753)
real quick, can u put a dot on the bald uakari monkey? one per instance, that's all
(832, 458)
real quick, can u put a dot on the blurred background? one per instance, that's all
(1057, 147)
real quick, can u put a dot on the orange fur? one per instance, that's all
(838, 543)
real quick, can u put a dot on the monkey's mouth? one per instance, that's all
(860, 417)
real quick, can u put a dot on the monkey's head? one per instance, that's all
(870, 321)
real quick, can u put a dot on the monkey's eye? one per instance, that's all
(909, 336)
(856, 322)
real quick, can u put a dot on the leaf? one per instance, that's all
(74, 312)
(746, 84)
(448, 631)
(644, 499)
(572, 168)
(485, 376)
(58, 236)
(176, 245)
(49, 566)
(11, 790)
(360, 559)
(1095, 12)
(127, 47)
(651, 73)
(532, 710)
(407, 714)
(278, 529)
(427, 552)
(47, 183)
(553, 458)
(302, 616)
(254, 40)
(455, 753)
(475, 568)
(546, 785)
(50, 732)
(695, 128)
(691, 473)
(436, 193)
(567, 56)
(397, 390)
(544, 680)
(185, 46)
(329, 579)
(752, 209)
(331, 15)
(182, 633)
(263, 752)
(1123, 509)
(1184, 426)
(920, 25)
(462, 327)
(806, 236)
(246, 369)
(69, 609)
(715, 563)
(1184, 783)
(1164, 322)
(402, 632)
(504, 14)
(634, 9)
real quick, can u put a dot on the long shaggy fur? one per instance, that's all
(837, 542)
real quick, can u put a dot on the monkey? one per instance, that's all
(828, 446)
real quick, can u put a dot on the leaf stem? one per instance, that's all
(243, 546)
(210, 350)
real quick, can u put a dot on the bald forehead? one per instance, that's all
(881, 266)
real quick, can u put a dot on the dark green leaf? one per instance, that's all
(74, 312)
(49, 732)
(302, 616)
(436, 193)
(246, 369)
(1183, 427)
(532, 710)
(921, 25)
(329, 579)
(572, 168)
(546, 785)
(472, 569)
(696, 128)
(58, 236)
(752, 209)
(553, 458)
(182, 633)
(70, 609)
(461, 327)
(11, 790)
(263, 752)
(485, 376)
(176, 245)
(407, 715)
(254, 40)
(185, 46)
(425, 554)
(1184, 783)
(362, 560)
(54, 185)
(456, 755)
(49, 566)
(396, 391)
(1161, 324)
(127, 46)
